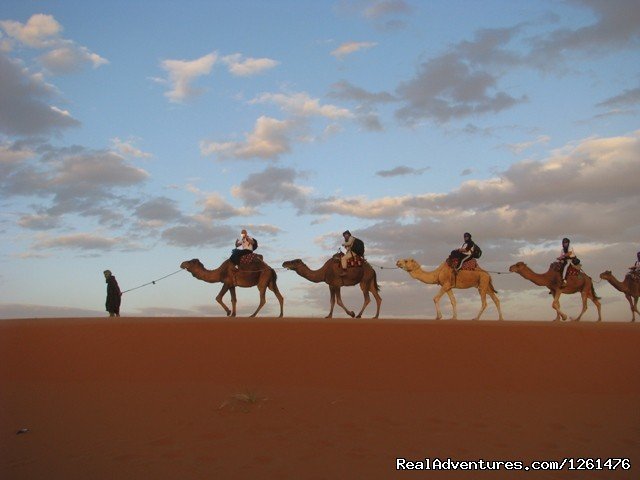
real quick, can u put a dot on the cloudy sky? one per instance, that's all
(136, 135)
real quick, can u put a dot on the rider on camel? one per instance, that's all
(244, 246)
(567, 256)
(635, 269)
(465, 252)
(348, 245)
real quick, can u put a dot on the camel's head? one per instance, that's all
(292, 264)
(189, 264)
(407, 264)
(517, 267)
(606, 275)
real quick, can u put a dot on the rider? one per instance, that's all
(244, 246)
(348, 245)
(567, 255)
(466, 251)
(635, 269)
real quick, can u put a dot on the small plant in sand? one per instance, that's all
(243, 402)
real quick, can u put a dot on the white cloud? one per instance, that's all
(82, 241)
(245, 67)
(587, 189)
(351, 47)
(43, 32)
(302, 105)
(39, 31)
(127, 148)
(182, 73)
(518, 148)
(214, 207)
(269, 139)
(70, 58)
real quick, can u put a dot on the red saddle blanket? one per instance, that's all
(470, 264)
(355, 261)
(573, 272)
(248, 258)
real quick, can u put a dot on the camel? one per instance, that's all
(445, 277)
(329, 273)
(630, 288)
(552, 279)
(250, 275)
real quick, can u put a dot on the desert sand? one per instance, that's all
(204, 398)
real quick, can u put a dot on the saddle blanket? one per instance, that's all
(634, 276)
(470, 264)
(573, 272)
(355, 261)
(248, 258)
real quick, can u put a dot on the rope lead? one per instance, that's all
(152, 282)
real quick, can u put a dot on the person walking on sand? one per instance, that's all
(114, 295)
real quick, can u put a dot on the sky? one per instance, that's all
(136, 135)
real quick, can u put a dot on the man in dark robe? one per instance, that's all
(113, 294)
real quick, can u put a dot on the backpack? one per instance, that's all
(358, 247)
(477, 251)
(255, 244)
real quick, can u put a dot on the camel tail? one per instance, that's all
(593, 292)
(492, 287)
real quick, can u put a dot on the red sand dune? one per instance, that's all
(299, 398)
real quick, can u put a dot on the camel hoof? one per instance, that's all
(228, 313)
(352, 314)
(358, 316)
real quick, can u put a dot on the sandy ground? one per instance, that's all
(185, 398)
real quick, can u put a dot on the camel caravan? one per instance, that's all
(460, 270)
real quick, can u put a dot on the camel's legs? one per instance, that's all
(596, 302)
(377, 297)
(222, 293)
(454, 304)
(273, 286)
(333, 301)
(263, 299)
(436, 300)
(556, 306)
(483, 299)
(234, 300)
(365, 293)
(584, 294)
(496, 301)
(351, 313)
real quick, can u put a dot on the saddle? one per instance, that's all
(470, 264)
(355, 261)
(573, 271)
(250, 258)
(634, 276)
